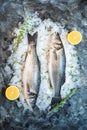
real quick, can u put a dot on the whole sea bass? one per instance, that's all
(56, 66)
(31, 73)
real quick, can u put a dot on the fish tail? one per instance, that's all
(31, 38)
(55, 100)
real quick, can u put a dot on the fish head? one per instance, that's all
(56, 39)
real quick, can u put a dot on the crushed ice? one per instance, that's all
(33, 24)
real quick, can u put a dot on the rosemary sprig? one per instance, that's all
(26, 27)
(61, 104)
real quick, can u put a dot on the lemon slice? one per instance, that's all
(12, 93)
(74, 37)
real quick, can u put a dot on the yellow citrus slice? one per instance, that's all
(74, 37)
(12, 93)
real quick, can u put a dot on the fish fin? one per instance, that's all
(22, 90)
(27, 96)
(32, 99)
(31, 96)
(28, 88)
(50, 83)
(25, 58)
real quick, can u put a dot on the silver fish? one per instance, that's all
(56, 66)
(31, 73)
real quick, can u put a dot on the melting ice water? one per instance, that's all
(44, 29)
